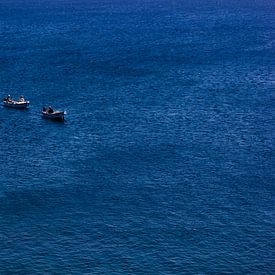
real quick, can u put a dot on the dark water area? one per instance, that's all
(164, 164)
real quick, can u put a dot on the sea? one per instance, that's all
(164, 164)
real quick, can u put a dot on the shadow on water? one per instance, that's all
(58, 121)
(9, 109)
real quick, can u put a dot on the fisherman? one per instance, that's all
(21, 99)
(50, 110)
(8, 98)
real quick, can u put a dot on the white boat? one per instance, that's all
(55, 115)
(16, 104)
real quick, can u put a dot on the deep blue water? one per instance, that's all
(165, 163)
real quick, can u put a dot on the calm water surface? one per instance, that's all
(164, 165)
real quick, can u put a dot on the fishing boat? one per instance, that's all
(54, 115)
(21, 104)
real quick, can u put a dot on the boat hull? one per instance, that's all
(58, 116)
(16, 104)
